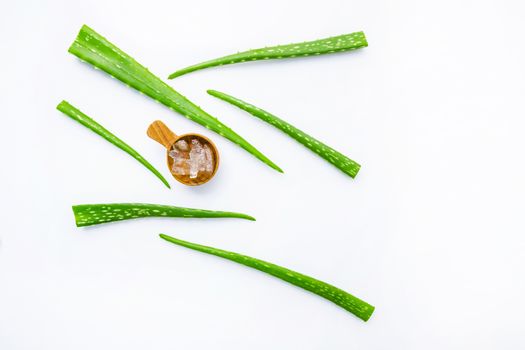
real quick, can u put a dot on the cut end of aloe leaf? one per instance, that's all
(84, 29)
(61, 105)
(78, 221)
(368, 313)
(357, 168)
(364, 41)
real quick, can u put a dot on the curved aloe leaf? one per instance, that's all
(339, 160)
(89, 123)
(358, 307)
(98, 51)
(94, 214)
(333, 44)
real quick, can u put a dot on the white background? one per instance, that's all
(430, 232)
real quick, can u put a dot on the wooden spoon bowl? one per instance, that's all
(159, 132)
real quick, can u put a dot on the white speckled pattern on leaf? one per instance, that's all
(337, 159)
(91, 124)
(98, 51)
(94, 214)
(347, 301)
(345, 42)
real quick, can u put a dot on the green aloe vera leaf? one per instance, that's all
(98, 51)
(356, 306)
(345, 42)
(94, 214)
(89, 123)
(337, 159)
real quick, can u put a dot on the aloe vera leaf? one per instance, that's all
(345, 42)
(91, 124)
(337, 159)
(94, 214)
(358, 307)
(98, 51)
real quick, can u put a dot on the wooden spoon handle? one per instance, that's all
(159, 132)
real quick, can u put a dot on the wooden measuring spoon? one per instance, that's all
(192, 158)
